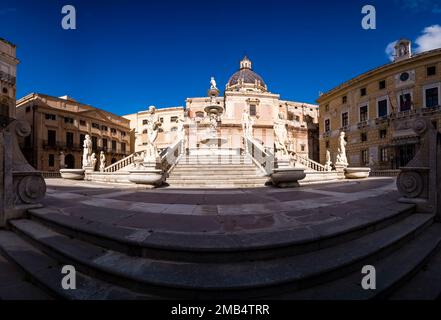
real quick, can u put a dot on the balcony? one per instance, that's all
(363, 124)
(61, 145)
(7, 78)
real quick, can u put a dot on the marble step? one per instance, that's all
(180, 177)
(206, 247)
(392, 271)
(46, 272)
(249, 279)
(425, 285)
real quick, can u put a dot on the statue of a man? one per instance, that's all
(93, 160)
(87, 151)
(152, 127)
(62, 160)
(213, 84)
(341, 152)
(328, 164)
(102, 161)
(247, 123)
(281, 135)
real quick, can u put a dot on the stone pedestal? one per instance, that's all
(21, 186)
(340, 168)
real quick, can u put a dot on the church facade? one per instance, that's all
(245, 92)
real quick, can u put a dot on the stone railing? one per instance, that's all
(51, 174)
(420, 181)
(261, 157)
(384, 173)
(122, 163)
(171, 155)
(311, 164)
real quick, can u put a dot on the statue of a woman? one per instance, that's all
(152, 127)
(102, 161)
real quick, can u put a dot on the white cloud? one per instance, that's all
(430, 39)
(390, 50)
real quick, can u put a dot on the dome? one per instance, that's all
(246, 77)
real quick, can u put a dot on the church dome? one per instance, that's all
(246, 78)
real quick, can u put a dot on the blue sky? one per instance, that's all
(127, 55)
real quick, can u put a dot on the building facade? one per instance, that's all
(245, 91)
(8, 71)
(373, 109)
(59, 126)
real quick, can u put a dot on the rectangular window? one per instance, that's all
(144, 122)
(327, 125)
(28, 109)
(344, 119)
(302, 147)
(51, 160)
(113, 130)
(327, 144)
(363, 137)
(95, 125)
(94, 143)
(432, 98)
(113, 146)
(431, 71)
(69, 139)
(173, 119)
(51, 137)
(123, 147)
(82, 138)
(382, 108)
(382, 85)
(68, 120)
(344, 99)
(253, 110)
(383, 155)
(49, 116)
(363, 113)
(104, 128)
(364, 157)
(105, 145)
(327, 108)
(82, 123)
(405, 102)
(382, 133)
(363, 92)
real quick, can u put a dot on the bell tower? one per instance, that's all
(403, 50)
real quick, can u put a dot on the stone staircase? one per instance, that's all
(213, 171)
(115, 263)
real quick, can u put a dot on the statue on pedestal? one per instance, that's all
(328, 164)
(62, 160)
(87, 151)
(247, 124)
(341, 152)
(102, 161)
(213, 84)
(281, 136)
(152, 126)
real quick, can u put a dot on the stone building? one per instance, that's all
(8, 70)
(59, 126)
(245, 90)
(373, 109)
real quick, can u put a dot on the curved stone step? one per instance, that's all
(222, 247)
(252, 279)
(392, 271)
(46, 272)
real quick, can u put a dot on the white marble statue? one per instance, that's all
(281, 136)
(213, 84)
(93, 160)
(341, 160)
(87, 151)
(247, 124)
(102, 161)
(62, 160)
(180, 133)
(152, 127)
(328, 164)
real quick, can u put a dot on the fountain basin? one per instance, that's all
(357, 173)
(72, 174)
(287, 177)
